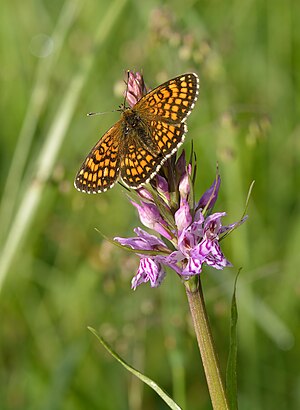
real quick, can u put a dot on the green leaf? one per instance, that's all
(231, 372)
(136, 373)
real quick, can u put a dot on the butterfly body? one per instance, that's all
(137, 145)
(137, 128)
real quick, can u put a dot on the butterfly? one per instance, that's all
(136, 146)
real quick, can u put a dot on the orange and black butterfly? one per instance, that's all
(137, 145)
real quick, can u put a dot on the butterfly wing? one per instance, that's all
(173, 101)
(101, 168)
(140, 164)
(168, 137)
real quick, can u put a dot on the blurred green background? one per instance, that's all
(60, 60)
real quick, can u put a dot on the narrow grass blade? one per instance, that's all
(167, 399)
(231, 372)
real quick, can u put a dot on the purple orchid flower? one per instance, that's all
(194, 242)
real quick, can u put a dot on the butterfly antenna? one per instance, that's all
(90, 114)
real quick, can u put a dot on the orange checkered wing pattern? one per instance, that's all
(101, 168)
(138, 165)
(172, 101)
(141, 161)
(168, 137)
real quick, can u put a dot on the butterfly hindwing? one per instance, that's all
(138, 165)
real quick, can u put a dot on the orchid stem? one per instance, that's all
(206, 345)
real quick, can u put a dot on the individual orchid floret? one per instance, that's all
(143, 241)
(149, 271)
(151, 218)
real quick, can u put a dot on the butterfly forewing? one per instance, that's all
(101, 167)
(172, 101)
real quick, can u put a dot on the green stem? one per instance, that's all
(206, 345)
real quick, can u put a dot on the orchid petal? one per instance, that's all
(183, 217)
(149, 270)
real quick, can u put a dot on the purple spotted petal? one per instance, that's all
(209, 252)
(202, 249)
(193, 267)
(149, 270)
(213, 225)
(190, 237)
(216, 258)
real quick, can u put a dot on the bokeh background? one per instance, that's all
(62, 59)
